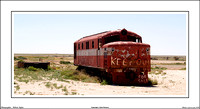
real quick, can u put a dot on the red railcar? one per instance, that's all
(120, 54)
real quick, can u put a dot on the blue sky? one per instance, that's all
(56, 33)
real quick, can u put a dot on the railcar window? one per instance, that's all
(99, 43)
(138, 40)
(82, 45)
(87, 45)
(92, 44)
(131, 38)
(78, 46)
(112, 39)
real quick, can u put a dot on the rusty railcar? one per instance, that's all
(120, 54)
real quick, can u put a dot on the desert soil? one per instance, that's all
(169, 67)
(171, 83)
(165, 61)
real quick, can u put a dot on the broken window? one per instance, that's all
(131, 38)
(112, 39)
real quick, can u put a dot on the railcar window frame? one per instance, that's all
(82, 45)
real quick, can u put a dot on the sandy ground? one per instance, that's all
(171, 83)
(169, 67)
(165, 61)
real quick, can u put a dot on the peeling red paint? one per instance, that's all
(125, 59)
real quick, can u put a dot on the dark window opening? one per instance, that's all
(78, 46)
(87, 45)
(112, 39)
(82, 45)
(131, 38)
(92, 44)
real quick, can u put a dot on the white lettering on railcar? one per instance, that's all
(112, 61)
(126, 62)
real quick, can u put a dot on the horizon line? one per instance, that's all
(73, 54)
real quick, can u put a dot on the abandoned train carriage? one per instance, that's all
(120, 54)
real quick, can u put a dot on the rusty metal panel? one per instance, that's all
(43, 65)
(130, 56)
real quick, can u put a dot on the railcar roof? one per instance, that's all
(125, 43)
(99, 35)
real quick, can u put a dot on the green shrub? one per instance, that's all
(23, 80)
(31, 68)
(15, 58)
(49, 68)
(104, 82)
(41, 57)
(152, 82)
(180, 63)
(183, 68)
(74, 93)
(17, 87)
(21, 58)
(78, 76)
(21, 61)
(48, 85)
(158, 68)
(65, 90)
(176, 58)
(65, 62)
